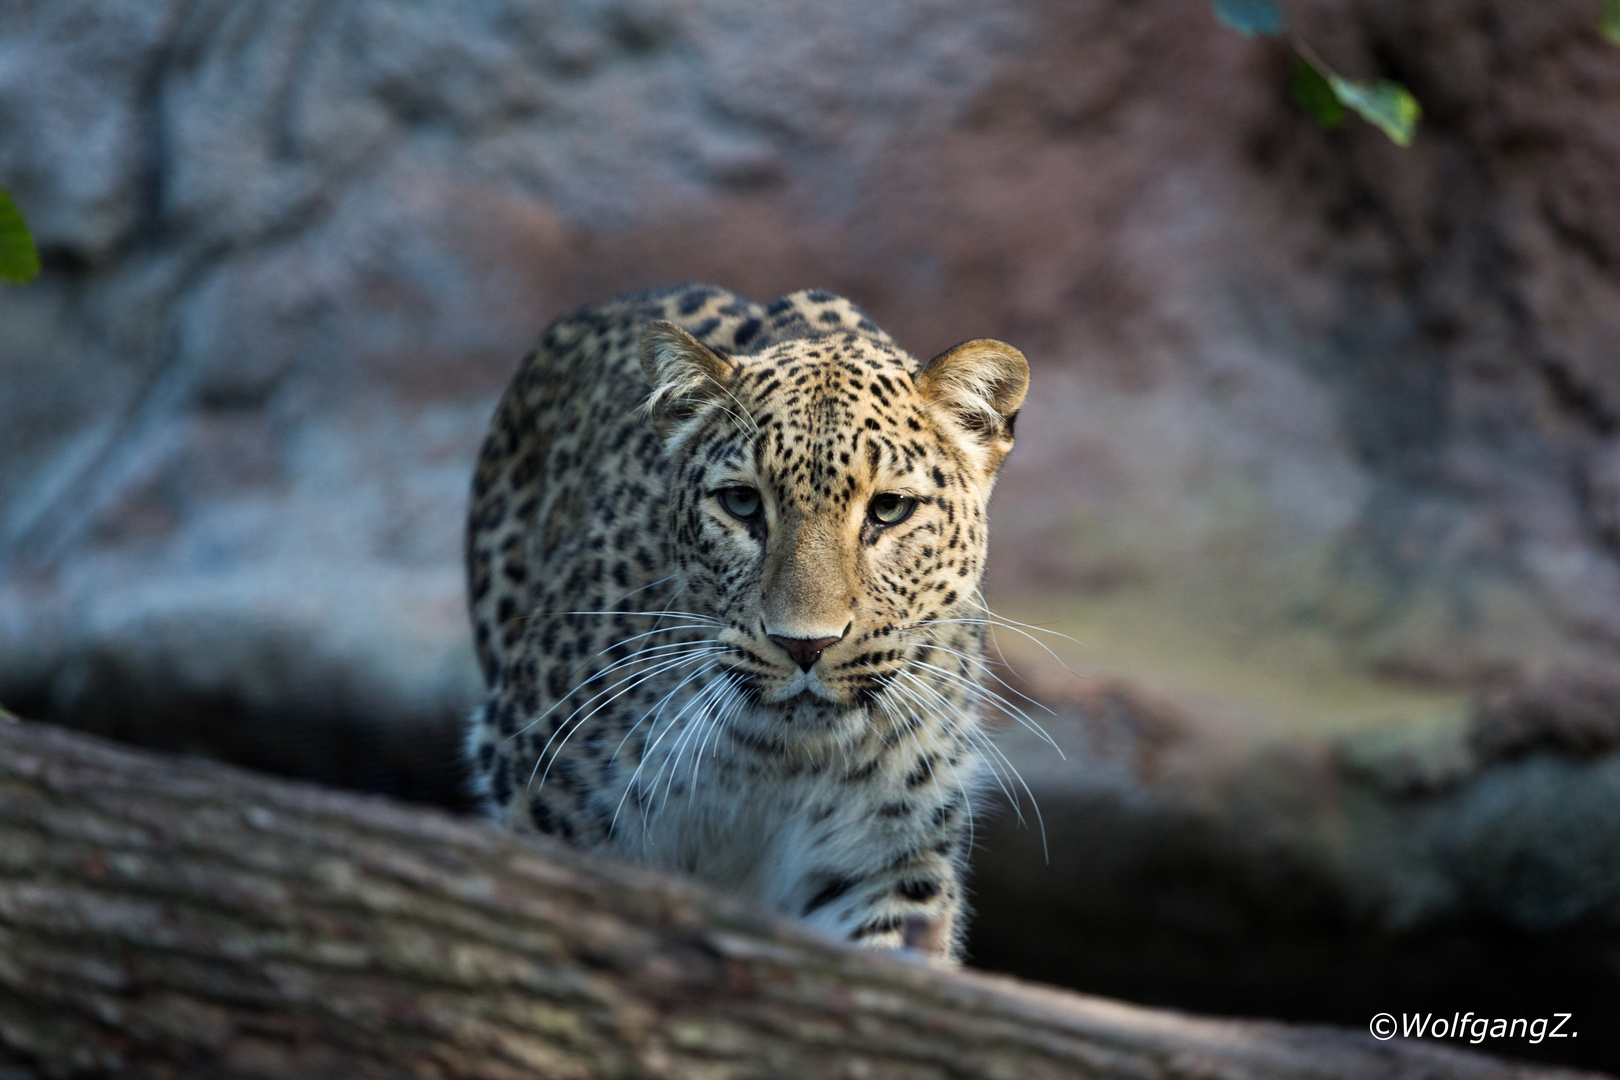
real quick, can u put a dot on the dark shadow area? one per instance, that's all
(319, 745)
(1164, 911)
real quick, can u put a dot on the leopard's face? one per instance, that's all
(828, 503)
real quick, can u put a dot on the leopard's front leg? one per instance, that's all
(904, 890)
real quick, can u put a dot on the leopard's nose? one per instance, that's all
(806, 651)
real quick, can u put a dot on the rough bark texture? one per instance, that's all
(181, 918)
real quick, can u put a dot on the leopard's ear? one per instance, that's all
(685, 373)
(981, 386)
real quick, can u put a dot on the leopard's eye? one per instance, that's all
(742, 503)
(890, 508)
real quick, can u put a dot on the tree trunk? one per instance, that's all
(181, 918)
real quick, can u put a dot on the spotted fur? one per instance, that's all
(786, 705)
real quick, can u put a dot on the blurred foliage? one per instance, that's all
(1250, 17)
(19, 258)
(1325, 94)
(1320, 90)
(1382, 103)
(1315, 95)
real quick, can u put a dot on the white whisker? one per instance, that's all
(972, 738)
(734, 704)
(609, 669)
(1006, 706)
(648, 752)
(979, 660)
(701, 700)
(988, 745)
(638, 680)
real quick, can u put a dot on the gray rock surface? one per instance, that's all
(294, 249)
(293, 252)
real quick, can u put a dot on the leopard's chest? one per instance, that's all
(774, 832)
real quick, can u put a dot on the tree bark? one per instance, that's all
(181, 918)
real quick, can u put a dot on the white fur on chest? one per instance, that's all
(779, 835)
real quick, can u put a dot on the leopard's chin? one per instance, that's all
(803, 724)
(800, 688)
(801, 704)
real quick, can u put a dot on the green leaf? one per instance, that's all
(1311, 92)
(1251, 17)
(1385, 104)
(1610, 23)
(19, 259)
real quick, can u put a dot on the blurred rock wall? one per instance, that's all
(295, 250)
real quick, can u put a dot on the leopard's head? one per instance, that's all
(828, 504)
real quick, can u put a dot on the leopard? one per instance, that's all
(724, 567)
